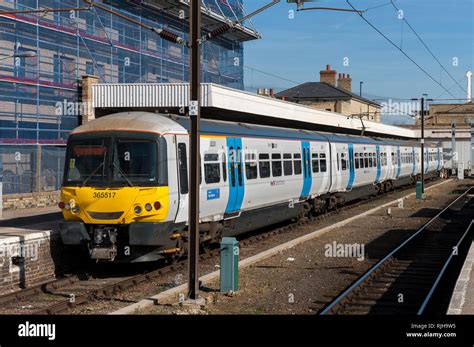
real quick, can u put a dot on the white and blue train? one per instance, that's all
(126, 179)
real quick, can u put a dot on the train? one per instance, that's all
(125, 190)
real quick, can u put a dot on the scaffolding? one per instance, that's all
(43, 57)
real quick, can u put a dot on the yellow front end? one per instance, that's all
(123, 205)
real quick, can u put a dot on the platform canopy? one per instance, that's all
(229, 104)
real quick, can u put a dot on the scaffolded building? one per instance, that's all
(43, 57)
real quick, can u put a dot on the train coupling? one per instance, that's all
(104, 243)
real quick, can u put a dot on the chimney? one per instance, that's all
(328, 75)
(345, 82)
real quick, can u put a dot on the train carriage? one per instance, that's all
(125, 189)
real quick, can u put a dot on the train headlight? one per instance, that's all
(67, 206)
(157, 205)
(137, 209)
(75, 209)
(61, 205)
(148, 207)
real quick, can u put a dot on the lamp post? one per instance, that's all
(360, 88)
(422, 138)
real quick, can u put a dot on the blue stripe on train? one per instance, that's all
(351, 167)
(307, 169)
(236, 185)
(377, 159)
(399, 165)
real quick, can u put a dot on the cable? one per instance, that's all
(401, 50)
(272, 75)
(426, 46)
(454, 85)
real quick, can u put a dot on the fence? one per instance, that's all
(35, 168)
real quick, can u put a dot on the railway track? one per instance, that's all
(60, 295)
(405, 280)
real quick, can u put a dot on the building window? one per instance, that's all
(26, 67)
(64, 69)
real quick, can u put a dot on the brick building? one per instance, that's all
(333, 93)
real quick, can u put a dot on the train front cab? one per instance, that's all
(115, 196)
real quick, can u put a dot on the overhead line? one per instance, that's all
(401, 50)
(426, 46)
(269, 74)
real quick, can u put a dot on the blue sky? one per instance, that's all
(297, 49)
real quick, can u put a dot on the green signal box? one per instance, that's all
(419, 190)
(229, 265)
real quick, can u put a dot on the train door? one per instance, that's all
(378, 164)
(307, 175)
(427, 160)
(343, 166)
(236, 178)
(351, 167)
(399, 162)
(438, 159)
(182, 154)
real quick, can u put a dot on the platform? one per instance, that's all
(30, 248)
(462, 300)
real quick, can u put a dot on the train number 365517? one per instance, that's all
(103, 195)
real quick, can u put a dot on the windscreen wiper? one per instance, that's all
(92, 174)
(122, 173)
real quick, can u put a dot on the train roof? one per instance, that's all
(132, 121)
(165, 123)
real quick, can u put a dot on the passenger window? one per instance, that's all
(276, 165)
(264, 165)
(297, 163)
(287, 164)
(315, 162)
(322, 162)
(250, 166)
(183, 168)
(343, 161)
(356, 160)
(212, 168)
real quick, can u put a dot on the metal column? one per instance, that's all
(422, 145)
(472, 148)
(453, 149)
(194, 114)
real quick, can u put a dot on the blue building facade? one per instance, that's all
(43, 57)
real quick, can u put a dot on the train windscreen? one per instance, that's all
(111, 162)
